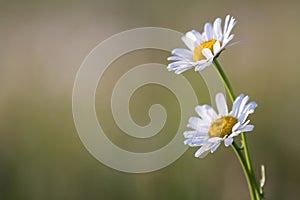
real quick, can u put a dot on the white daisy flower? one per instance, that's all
(212, 128)
(203, 48)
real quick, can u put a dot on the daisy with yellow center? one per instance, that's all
(211, 128)
(203, 48)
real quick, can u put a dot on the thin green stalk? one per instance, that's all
(250, 175)
(225, 79)
(241, 158)
(249, 163)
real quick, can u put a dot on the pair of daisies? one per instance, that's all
(211, 128)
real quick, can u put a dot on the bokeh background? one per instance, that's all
(43, 43)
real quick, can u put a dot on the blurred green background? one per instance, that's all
(43, 43)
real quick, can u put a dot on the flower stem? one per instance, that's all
(244, 160)
(249, 163)
(241, 158)
(225, 80)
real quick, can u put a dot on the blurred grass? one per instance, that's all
(42, 46)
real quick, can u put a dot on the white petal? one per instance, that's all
(226, 23)
(206, 112)
(228, 141)
(231, 24)
(215, 140)
(242, 105)
(226, 40)
(249, 109)
(247, 128)
(193, 35)
(176, 58)
(203, 149)
(178, 67)
(243, 125)
(183, 69)
(189, 43)
(236, 105)
(202, 64)
(195, 142)
(208, 31)
(221, 104)
(200, 67)
(192, 134)
(235, 43)
(178, 63)
(198, 124)
(198, 36)
(228, 26)
(207, 53)
(234, 134)
(236, 126)
(183, 53)
(203, 155)
(215, 147)
(218, 29)
(217, 48)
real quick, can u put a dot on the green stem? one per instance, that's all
(245, 161)
(249, 163)
(225, 79)
(241, 158)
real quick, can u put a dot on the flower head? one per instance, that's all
(203, 48)
(212, 128)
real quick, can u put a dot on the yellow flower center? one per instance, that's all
(198, 50)
(222, 126)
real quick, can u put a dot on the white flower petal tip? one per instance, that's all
(211, 128)
(202, 48)
(203, 155)
(221, 104)
(202, 152)
(228, 141)
(235, 43)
